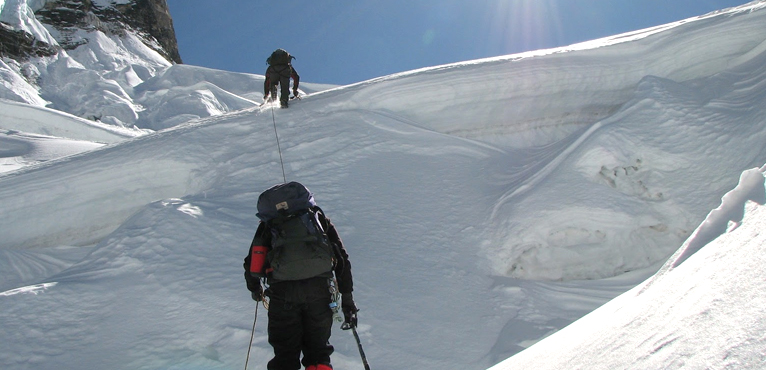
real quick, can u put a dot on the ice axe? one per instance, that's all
(351, 324)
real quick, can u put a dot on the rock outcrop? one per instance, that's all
(18, 44)
(149, 19)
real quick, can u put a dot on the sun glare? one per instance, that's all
(523, 25)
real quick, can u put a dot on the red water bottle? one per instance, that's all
(258, 260)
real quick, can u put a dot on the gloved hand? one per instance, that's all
(258, 294)
(265, 97)
(295, 92)
(349, 311)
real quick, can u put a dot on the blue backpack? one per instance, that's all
(299, 246)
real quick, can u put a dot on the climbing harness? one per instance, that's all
(334, 298)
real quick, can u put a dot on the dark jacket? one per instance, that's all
(306, 290)
(276, 73)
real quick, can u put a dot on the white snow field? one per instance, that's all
(707, 312)
(485, 205)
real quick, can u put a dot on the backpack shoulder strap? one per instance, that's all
(320, 216)
(325, 223)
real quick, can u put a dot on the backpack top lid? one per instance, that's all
(284, 199)
(279, 57)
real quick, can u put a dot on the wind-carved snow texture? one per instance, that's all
(477, 223)
(704, 309)
(641, 152)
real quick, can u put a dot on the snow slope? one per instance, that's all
(704, 309)
(33, 119)
(472, 213)
(32, 134)
(118, 79)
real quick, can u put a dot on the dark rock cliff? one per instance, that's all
(149, 19)
(153, 17)
(18, 44)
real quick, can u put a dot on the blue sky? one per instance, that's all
(347, 41)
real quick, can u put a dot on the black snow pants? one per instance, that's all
(281, 76)
(299, 327)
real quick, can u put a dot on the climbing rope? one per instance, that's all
(252, 333)
(279, 148)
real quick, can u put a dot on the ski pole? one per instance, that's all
(252, 333)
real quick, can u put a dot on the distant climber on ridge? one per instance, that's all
(279, 72)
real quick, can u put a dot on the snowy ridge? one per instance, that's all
(21, 150)
(468, 235)
(28, 137)
(687, 314)
(102, 80)
(726, 218)
(19, 14)
(516, 109)
(33, 119)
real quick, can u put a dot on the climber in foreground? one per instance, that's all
(298, 254)
(279, 73)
